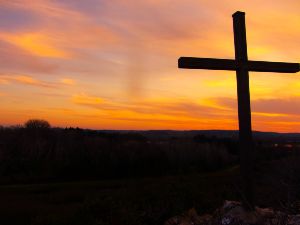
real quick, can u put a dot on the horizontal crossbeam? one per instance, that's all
(229, 64)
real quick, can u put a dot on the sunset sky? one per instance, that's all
(112, 64)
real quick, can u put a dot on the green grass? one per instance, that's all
(130, 201)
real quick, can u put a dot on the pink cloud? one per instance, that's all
(14, 59)
(6, 79)
(287, 106)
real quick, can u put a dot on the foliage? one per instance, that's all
(37, 124)
(37, 153)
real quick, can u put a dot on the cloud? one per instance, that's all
(155, 113)
(68, 81)
(62, 32)
(35, 43)
(83, 99)
(24, 79)
(151, 107)
(46, 8)
(3, 81)
(14, 59)
(290, 106)
(13, 19)
(273, 107)
(29, 80)
(274, 114)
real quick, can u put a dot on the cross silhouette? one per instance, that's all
(242, 66)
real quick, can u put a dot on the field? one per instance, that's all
(130, 201)
(146, 201)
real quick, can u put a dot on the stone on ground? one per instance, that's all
(232, 213)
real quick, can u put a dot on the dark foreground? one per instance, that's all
(134, 201)
(55, 176)
(138, 201)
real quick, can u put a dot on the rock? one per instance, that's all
(294, 220)
(190, 217)
(232, 213)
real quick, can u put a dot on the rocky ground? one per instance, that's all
(232, 213)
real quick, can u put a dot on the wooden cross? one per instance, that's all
(241, 65)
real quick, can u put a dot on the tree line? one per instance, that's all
(37, 152)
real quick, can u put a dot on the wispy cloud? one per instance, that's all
(84, 99)
(62, 32)
(68, 81)
(6, 79)
(15, 59)
(24, 79)
(151, 107)
(274, 107)
(35, 43)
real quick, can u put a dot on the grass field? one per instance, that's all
(131, 201)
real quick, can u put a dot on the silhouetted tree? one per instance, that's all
(37, 124)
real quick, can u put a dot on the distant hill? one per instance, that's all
(258, 135)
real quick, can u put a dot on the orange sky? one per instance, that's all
(112, 64)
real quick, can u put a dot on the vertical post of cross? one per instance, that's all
(244, 109)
